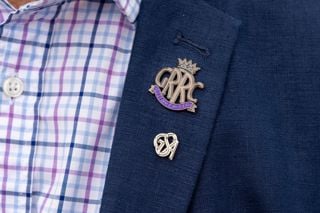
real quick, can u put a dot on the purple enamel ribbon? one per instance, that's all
(164, 102)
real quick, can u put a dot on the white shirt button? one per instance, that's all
(13, 87)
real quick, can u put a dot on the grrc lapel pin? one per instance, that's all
(174, 86)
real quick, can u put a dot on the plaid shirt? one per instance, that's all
(55, 139)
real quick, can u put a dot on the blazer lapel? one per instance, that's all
(138, 180)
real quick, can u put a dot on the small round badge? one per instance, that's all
(166, 144)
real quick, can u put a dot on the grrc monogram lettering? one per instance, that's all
(174, 87)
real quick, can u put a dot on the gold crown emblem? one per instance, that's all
(188, 66)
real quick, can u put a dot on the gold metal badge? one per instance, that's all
(174, 87)
(166, 144)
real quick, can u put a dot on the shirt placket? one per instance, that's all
(17, 114)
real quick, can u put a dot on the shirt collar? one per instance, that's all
(33, 4)
(6, 8)
(129, 8)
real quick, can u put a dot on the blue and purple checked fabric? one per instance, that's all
(55, 139)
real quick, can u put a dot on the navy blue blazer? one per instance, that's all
(254, 144)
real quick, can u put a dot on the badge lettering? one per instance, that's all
(176, 86)
(166, 144)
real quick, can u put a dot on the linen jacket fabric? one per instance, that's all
(253, 144)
